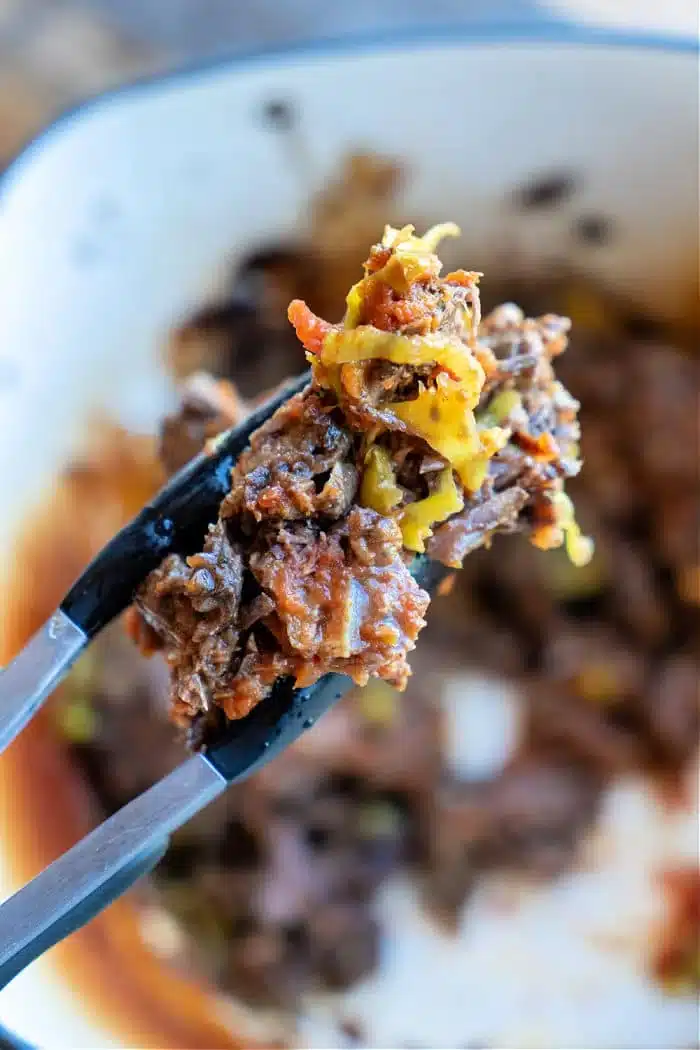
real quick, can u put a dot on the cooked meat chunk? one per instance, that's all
(530, 818)
(192, 606)
(475, 525)
(343, 600)
(345, 597)
(207, 407)
(286, 474)
(418, 433)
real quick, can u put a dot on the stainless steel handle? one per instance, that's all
(101, 866)
(35, 672)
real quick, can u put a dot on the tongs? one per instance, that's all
(130, 843)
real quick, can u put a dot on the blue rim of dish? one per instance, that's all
(537, 31)
(13, 1042)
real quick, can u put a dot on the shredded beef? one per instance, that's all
(283, 475)
(328, 586)
(474, 526)
(346, 597)
(341, 600)
(192, 605)
(530, 818)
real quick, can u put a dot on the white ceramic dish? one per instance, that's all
(124, 215)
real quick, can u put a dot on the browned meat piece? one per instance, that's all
(345, 598)
(192, 605)
(515, 466)
(207, 407)
(475, 525)
(195, 597)
(336, 497)
(604, 741)
(356, 610)
(354, 474)
(530, 818)
(278, 478)
(259, 608)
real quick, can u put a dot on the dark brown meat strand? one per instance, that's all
(466, 532)
(288, 473)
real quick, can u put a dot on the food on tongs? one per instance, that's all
(424, 431)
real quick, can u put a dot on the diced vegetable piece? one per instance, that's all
(417, 519)
(310, 329)
(379, 489)
(377, 701)
(503, 404)
(580, 548)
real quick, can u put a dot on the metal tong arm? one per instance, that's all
(97, 870)
(101, 866)
(35, 672)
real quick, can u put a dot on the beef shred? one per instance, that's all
(423, 430)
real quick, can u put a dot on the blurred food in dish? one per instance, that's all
(271, 890)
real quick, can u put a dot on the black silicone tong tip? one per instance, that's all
(174, 522)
